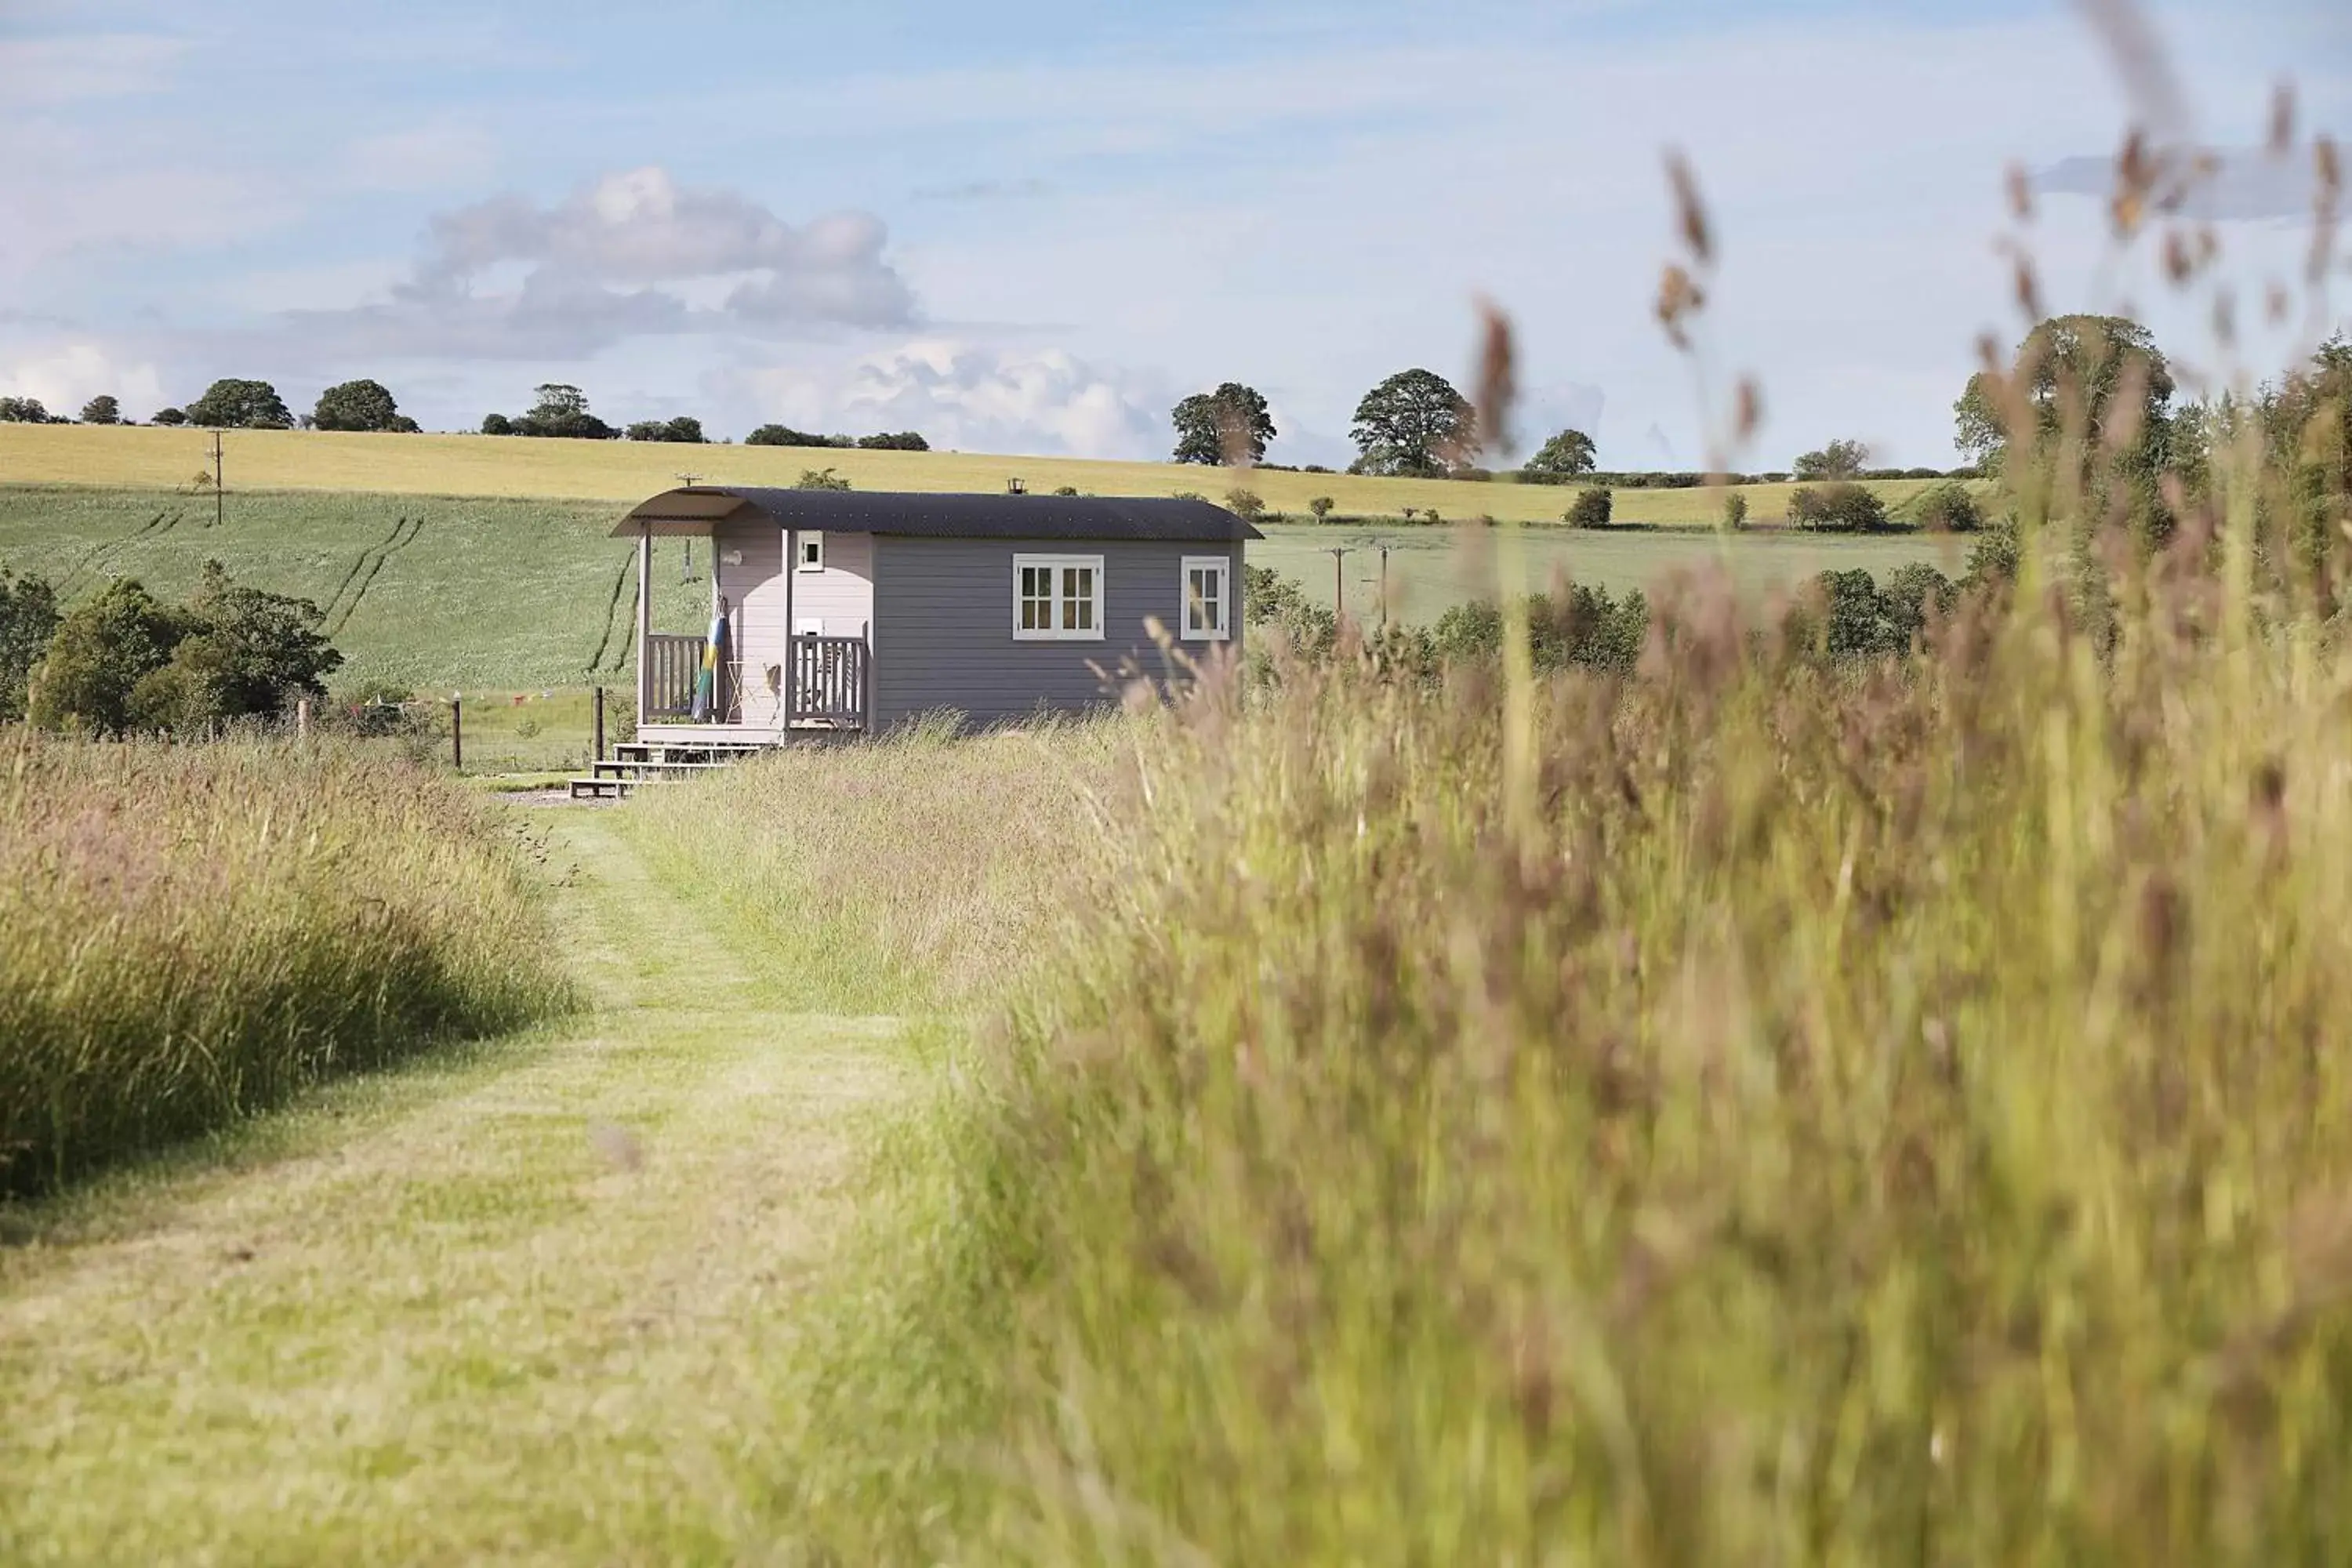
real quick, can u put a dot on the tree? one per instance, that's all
(1838, 461)
(100, 652)
(1735, 511)
(895, 441)
(820, 479)
(1569, 454)
(1413, 422)
(1841, 506)
(23, 411)
(237, 405)
(357, 406)
(1247, 505)
(102, 410)
(497, 424)
(1590, 508)
(1321, 506)
(28, 618)
(558, 409)
(684, 428)
(1222, 426)
(124, 661)
(785, 436)
(170, 417)
(2070, 370)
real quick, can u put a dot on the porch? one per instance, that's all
(782, 676)
(819, 686)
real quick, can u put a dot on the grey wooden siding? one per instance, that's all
(755, 590)
(943, 625)
(842, 596)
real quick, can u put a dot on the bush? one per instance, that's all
(1840, 506)
(1590, 508)
(28, 618)
(1735, 510)
(1065, 489)
(122, 661)
(1321, 506)
(820, 479)
(1247, 505)
(900, 441)
(1948, 509)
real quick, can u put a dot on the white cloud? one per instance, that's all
(632, 255)
(70, 374)
(967, 396)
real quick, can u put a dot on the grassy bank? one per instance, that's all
(195, 932)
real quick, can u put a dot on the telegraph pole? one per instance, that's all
(1339, 583)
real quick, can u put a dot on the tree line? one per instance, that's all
(558, 409)
(1416, 424)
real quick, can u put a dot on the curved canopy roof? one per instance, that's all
(698, 507)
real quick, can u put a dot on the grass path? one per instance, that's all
(508, 1303)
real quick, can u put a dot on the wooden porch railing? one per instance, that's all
(828, 684)
(670, 666)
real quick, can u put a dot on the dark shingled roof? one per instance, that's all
(694, 510)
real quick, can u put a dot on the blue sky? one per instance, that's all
(1033, 225)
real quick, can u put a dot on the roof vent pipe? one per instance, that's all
(1016, 486)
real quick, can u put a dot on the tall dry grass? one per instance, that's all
(920, 872)
(195, 932)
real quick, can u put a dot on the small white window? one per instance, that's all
(811, 556)
(1057, 598)
(1208, 599)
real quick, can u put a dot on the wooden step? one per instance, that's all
(628, 766)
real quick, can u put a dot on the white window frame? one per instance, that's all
(1224, 630)
(802, 544)
(1061, 600)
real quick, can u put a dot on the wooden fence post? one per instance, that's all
(600, 724)
(301, 718)
(457, 733)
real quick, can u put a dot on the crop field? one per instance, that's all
(425, 590)
(519, 595)
(149, 458)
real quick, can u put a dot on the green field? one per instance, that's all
(518, 596)
(1430, 570)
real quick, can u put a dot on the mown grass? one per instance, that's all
(627, 471)
(195, 932)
